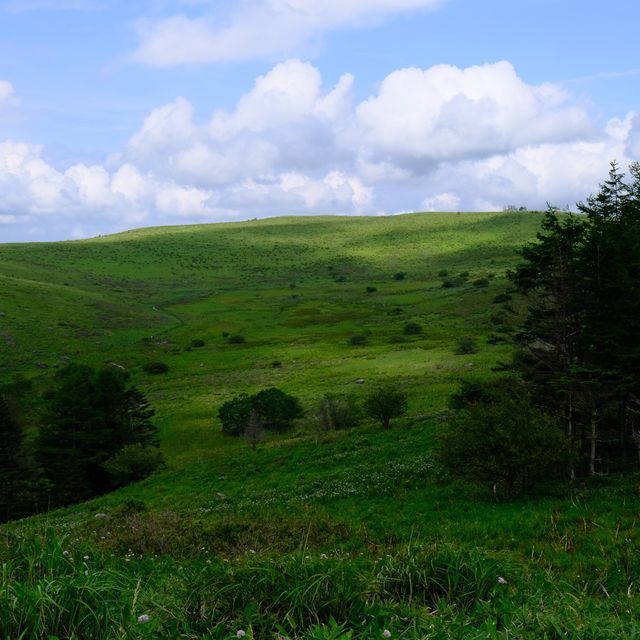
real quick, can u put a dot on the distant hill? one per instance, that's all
(294, 288)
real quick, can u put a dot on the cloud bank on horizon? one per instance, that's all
(440, 138)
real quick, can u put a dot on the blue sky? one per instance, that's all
(123, 114)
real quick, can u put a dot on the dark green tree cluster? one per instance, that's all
(272, 408)
(580, 343)
(16, 474)
(95, 432)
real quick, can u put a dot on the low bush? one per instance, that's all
(452, 283)
(337, 412)
(503, 441)
(412, 329)
(132, 463)
(156, 368)
(466, 346)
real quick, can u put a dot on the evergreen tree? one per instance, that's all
(581, 338)
(91, 415)
(14, 470)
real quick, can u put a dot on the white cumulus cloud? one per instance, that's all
(442, 138)
(255, 28)
(426, 116)
(7, 94)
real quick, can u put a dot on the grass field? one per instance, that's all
(335, 535)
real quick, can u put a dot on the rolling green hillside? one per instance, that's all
(295, 288)
(336, 535)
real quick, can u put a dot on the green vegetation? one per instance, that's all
(342, 531)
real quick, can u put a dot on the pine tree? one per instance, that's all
(91, 415)
(582, 335)
(14, 476)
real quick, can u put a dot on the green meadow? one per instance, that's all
(321, 535)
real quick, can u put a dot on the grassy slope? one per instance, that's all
(145, 295)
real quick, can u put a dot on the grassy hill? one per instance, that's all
(311, 535)
(295, 288)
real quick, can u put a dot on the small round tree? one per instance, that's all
(384, 403)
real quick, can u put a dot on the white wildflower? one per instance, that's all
(386, 633)
(501, 580)
(241, 633)
(143, 618)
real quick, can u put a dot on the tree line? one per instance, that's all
(88, 432)
(571, 407)
(580, 343)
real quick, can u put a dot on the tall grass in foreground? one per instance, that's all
(418, 591)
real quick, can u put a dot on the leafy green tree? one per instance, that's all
(384, 403)
(502, 440)
(277, 409)
(234, 414)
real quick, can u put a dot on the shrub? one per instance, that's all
(156, 368)
(371, 289)
(499, 318)
(412, 329)
(132, 463)
(443, 273)
(396, 311)
(502, 297)
(385, 402)
(466, 346)
(481, 283)
(335, 412)
(503, 441)
(397, 339)
(196, 344)
(451, 283)
(401, 275)
(357, 341)
(236, 339)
